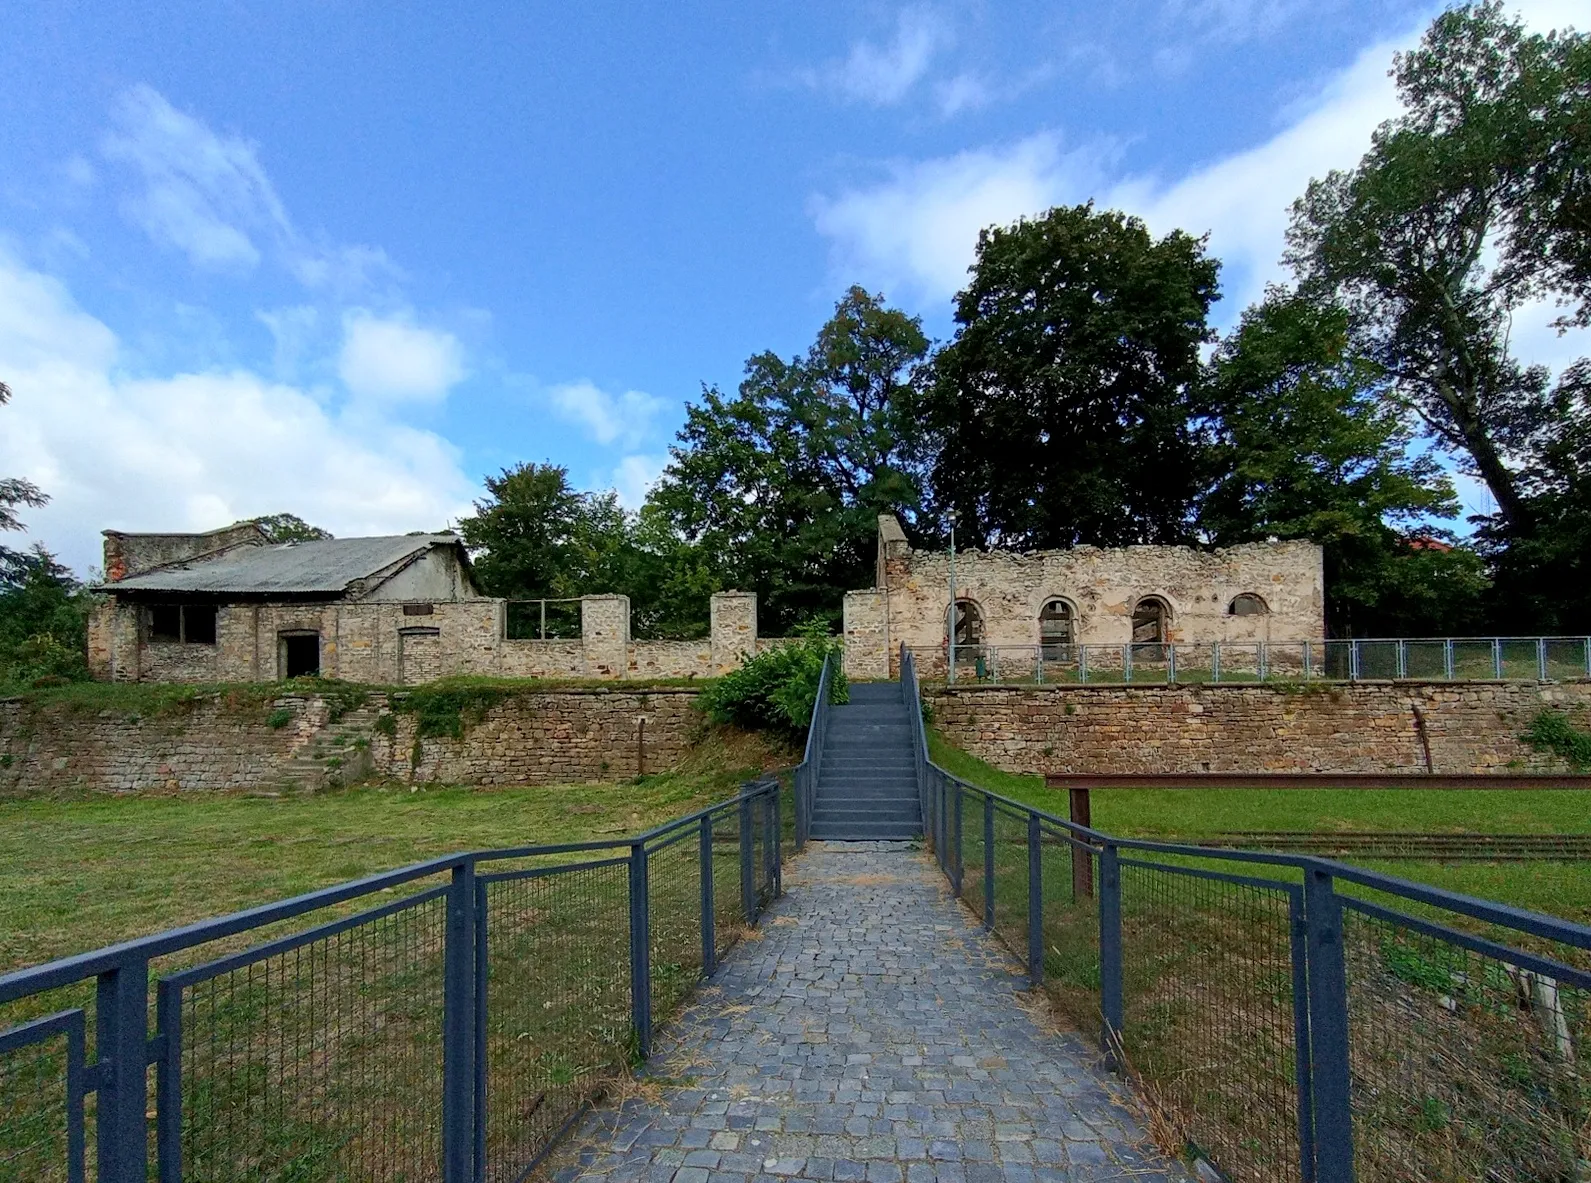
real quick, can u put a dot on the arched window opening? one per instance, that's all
(969, 624)
(1150, 620)
(1057, 624)
(1247, 604)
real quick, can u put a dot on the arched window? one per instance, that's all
(1247, 604)
(1057, 623)
(1150, 620)
(969, 623)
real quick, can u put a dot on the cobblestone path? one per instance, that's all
(870, 1034)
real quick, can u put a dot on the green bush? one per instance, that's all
(775, 691)
(279, 718)
(1552, 732)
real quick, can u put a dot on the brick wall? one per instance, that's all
(1472, 727)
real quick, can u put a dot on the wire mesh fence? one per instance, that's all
(1466, 1062)
(557, 1004)
(447, 1023)
(1292, 1018)
(1346, 660)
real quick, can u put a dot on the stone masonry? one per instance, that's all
(1100, 589)
(1375, 727)
(541, 737)
(871, 1034)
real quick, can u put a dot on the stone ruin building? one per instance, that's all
(1051, 601)
(231, 606)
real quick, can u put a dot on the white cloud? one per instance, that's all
(1229, 20)
(191, 451)
(884, 75)
(209, 196)
(625, 418)
(964, 92)
(202, 193)
(634, 477)
(918, 229)
(395, 360)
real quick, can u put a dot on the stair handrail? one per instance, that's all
(910, 697)
(806, 773)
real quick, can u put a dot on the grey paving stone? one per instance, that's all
(871, 1034)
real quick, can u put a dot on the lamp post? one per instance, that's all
(950, 673)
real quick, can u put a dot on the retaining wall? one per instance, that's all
(1469, 727)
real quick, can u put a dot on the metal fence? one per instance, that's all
(1452, 659)
(449, 1021)
(1293, 1018)
(806, 773)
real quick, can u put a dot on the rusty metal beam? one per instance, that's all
(1315, 780)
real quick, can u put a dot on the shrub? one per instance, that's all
(279, 718)
(775, 691)
(1552, 732)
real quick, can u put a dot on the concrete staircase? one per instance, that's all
(337, 755)
(867, 783)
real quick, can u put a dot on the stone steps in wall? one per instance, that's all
(311, 767)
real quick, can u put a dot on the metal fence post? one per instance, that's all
(1541, 659)
(1126, 663)
(640, 952)
(1264, 661)
(121, 1044)
(957, 863)
(1403, 659)
(748, 861)
(1497, 658)
(1303, 1072)
(770, 843)
(1215, 661)
(1328, 1029)
(1111, 995)
(1035, 901)
(1082, 665)
(1447, 658)
(1171, 664)
(1308, 660)
(709, 920)
(458, 1029)
(1353, 661)
(988, 862)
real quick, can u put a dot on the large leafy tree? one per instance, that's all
(778, 487)
(1063, 408)
(288, 527)
(1304, 446)
(15, 494)
(1468, 204)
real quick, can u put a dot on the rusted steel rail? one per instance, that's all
(1315, 780)
(1405, 845)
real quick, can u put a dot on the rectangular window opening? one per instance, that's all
(165, 622)
(418, 609)
(198, 624)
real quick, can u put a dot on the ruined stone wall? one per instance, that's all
(549, 737)
(217, 742)
(1103, 586)
(1373, 727)
(390, 643)
(212, 743)
(867, 644)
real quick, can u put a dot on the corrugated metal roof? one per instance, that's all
(293, 568)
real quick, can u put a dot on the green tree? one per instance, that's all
(14, 494)
(1305, 446)
(43, 620)
(287, 527)
(1063, 408)
(1469, 203)
(523, 534)
(778, 488)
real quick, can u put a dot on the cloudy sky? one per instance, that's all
(342, 260)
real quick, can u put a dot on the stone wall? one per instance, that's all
(549, 737)
(217, 742)
(395, 643)
(211, 743)
(1471, 727)
(1100, 587)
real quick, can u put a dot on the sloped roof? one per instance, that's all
(289, 568)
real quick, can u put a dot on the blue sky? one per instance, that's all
(342, 259)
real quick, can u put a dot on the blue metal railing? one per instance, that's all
(1420, 659)
(453, 1031)
(1296, 1017)
(806, 773)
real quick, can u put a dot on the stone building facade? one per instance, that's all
(229, 606)
(1143, 596)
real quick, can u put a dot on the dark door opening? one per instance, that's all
(302, 655)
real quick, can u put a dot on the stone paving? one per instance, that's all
(870, 1034)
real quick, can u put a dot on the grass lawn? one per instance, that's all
(1559, 888)
(78, 873)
